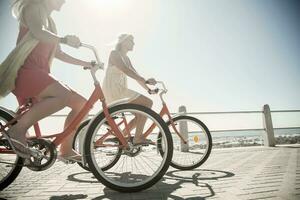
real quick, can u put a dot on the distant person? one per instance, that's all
(115, 82)
(26, 72)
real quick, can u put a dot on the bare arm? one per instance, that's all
(142, 82)
(69, 59)
(116, 60)
(35, 25)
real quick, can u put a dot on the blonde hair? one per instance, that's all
(18, 6)
(123, 37)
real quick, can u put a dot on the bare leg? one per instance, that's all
(52, 99)
(76, 103)
(141, 120)
(130, 126)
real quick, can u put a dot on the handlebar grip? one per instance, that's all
(155, 91)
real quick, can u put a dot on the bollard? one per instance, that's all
(269, 139)
(183, 129)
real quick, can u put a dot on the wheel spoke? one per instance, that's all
(10, 164)
(198, 146)
(138, 166)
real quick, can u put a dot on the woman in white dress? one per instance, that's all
(115, 83)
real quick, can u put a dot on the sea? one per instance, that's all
(254, 137)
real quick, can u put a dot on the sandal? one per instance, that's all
(24, 151)
(115, 139)
(144, 142)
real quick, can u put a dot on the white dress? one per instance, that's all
(115, 85)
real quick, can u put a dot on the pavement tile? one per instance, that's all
(239, 173)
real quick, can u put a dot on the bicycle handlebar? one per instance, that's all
(99, 64)
(163, 90)
(155, 91)
(163, 85)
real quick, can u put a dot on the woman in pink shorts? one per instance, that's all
(34, 79)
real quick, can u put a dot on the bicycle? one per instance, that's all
(192, 141)
(131, 178)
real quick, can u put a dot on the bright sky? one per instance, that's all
(212, 55)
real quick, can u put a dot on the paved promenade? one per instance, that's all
(241, 173)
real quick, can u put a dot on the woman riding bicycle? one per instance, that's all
(115, 82)
(27, 72)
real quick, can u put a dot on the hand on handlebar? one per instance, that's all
(154, 91)
(92, 64)
(151, 81)
(71, 40)
(88, 65)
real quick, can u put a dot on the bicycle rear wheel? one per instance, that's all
(10, 164)
(77, 146)
(78, 140)
(139, 167)
(199, 143)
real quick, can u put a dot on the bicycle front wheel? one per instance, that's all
(196, 150)
(10, 164)
(139, 166)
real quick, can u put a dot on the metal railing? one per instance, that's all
(267, 125)
(245, 112)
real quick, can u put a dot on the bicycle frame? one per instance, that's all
(60, 137)
(164, 111)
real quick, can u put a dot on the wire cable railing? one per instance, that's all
(266, 129)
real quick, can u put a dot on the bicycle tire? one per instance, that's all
(146, 181)
(104, 168)
(18, 161)
(74, 143)
(192, 160)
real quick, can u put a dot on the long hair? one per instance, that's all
(18, 6)
(122, 37)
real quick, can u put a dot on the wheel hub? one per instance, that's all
(132, 150)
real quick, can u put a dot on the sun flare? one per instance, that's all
(109, 4)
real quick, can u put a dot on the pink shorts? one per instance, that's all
(31, 82)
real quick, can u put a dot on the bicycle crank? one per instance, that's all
(46, 155)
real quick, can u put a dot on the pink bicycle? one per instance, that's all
(192, 141)
(142, 166)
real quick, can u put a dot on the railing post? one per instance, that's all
(183, 129)
(269, 139)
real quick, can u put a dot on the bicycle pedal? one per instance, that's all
(26, 162)
(70, 162)
(35, 153)
(144, 144)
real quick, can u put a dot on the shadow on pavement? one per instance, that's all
(83, 177)
(164, 189)
(69, 197)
